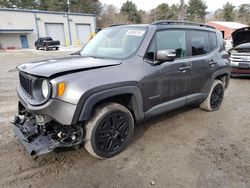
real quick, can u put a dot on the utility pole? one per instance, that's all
(68, 3)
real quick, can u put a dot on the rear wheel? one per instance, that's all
(109, 131)
(214, 98)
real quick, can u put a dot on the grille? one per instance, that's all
(240, 57)
(26, 82)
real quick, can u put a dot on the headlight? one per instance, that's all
(45, 88)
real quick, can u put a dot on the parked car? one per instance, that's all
(125, 75)
(240, 53)
(47, 43)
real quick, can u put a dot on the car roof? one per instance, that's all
(170, 24)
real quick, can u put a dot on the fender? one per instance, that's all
(93, 99)
(223, 71)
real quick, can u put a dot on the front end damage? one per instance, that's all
(41, 135)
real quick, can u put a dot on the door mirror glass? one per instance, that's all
(165, 55)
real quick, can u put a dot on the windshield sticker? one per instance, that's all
(137, 33)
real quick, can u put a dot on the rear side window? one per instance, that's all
(214, 42)
(199, 41)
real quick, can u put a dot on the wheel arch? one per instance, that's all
(129, 96)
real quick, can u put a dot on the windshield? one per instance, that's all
(115, 42)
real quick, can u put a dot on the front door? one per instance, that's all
(169, 80)
(176, 73)
(24, 41)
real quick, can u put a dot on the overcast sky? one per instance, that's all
(149, 4)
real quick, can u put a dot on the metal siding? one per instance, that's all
(75, 20)
(26, 19)
(10, 40)
(56, 31)
(83, 33)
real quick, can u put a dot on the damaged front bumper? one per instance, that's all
(39, 138)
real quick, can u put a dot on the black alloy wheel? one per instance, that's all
(217, 96)
(112, 132)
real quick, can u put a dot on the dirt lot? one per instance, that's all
(185, 148)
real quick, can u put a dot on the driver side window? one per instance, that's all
(168, 39)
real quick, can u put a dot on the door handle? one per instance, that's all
(184, 69)
(212, 63)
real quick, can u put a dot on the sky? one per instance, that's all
(150, 4)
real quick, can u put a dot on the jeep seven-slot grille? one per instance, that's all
(26, 83)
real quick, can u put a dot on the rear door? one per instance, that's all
(203, 50)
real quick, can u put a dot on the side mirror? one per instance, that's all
(165, 55)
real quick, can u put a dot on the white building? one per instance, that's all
(20, 28)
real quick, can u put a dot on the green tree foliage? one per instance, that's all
(196, 10)
(86, 6)
(30, 4)
(129, 9)
(228, 12)
(244, 13)
(162, 12)
(182, 10)
(52, 5)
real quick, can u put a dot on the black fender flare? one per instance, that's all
(93, 99)
(220, 73)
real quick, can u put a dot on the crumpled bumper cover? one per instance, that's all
(34, 142)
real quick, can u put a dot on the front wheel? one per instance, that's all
(109, 130)
(214, 98)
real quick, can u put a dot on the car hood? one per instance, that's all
(241, 36)
(53, 67)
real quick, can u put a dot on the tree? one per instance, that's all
(174, 12)
(110, 16)
(129, 9)
(244, 13)
(196, 10)
(182, 10)
(228, 12)
(30, 4)
(162, 12)
(86, 6)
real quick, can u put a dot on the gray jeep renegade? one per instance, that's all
(126, 74)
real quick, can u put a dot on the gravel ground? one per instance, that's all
(184, 148)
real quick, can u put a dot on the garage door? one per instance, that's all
(83, 33)
(56, 31)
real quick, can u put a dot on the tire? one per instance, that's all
(57, 48)
(37, 48)
(109, 130)
(214, 98)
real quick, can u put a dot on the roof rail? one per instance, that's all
(174, 22)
